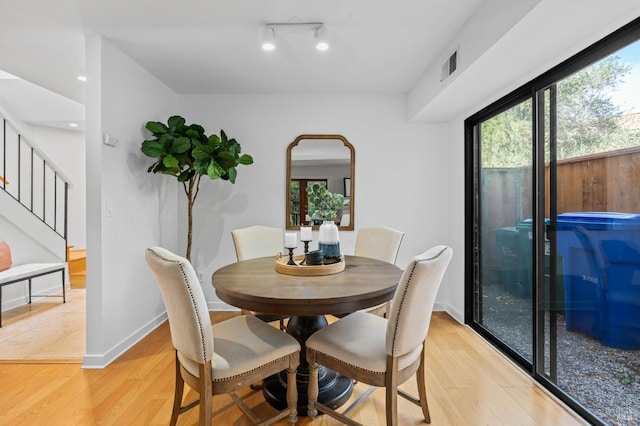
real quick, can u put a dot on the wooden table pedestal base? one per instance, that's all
(334, 389)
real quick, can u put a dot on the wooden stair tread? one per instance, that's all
(77, 254)
(77, 261)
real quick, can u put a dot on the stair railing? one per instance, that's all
(32, 179)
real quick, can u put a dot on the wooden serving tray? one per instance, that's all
(304, 270)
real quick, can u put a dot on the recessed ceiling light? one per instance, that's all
(73, 124)
(82, 78)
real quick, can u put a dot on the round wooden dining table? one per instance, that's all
(256, 285)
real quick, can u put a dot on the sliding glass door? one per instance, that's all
(504, 223)
(553, 240)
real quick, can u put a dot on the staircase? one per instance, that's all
(33, 194)
(77, 260)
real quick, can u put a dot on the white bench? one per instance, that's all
(26, 272)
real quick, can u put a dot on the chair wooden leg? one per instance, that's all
(312, 393)
(292, 393)
(391, 384)
(422, 389)
(177, 397)
(206, 394)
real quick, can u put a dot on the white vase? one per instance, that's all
(329, 240)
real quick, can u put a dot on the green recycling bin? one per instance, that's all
(525, 232)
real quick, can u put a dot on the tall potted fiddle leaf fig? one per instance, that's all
(187, 153)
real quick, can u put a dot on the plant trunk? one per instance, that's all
(190, 201)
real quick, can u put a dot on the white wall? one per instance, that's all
(408, 175)
(398, 172)
(66, 148)
(123, 301)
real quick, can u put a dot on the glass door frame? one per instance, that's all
(533, 90)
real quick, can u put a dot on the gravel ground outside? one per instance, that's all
(605, 380)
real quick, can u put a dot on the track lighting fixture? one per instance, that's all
(318, 30)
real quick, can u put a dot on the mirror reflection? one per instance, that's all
(319, 160)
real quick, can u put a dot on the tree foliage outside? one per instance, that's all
(588, 120)
(187, 153)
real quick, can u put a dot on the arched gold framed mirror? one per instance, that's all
(324, 159)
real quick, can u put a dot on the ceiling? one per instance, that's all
(211, 47)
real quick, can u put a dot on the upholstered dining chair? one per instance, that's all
(259, 241)
(222, 358)
(379, 351)
(381, 243)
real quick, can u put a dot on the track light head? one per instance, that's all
(269, 39)
(322, 42)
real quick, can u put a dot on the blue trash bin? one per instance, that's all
(601, 263)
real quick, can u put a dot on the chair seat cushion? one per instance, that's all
(358, 340)
(242, 344)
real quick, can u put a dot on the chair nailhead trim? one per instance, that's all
(404, 294)
(355, 367)
(248, 373)
(193, 302)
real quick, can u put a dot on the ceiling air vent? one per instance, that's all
(449, 66)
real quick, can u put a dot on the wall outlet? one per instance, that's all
(110, 140)
(201, 276)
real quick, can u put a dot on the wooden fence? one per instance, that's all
(604, 182)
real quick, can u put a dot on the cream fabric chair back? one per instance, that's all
(189, 322)
(257, 241)
(413, 302)
(378, 242)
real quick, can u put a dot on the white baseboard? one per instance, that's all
(98, 361)
(445, 307)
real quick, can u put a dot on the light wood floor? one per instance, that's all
(45, 330)
(468, 383)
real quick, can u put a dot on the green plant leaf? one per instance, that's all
(170, 161)
(185, 176)
(214, 171)
(197, 128)
(156, 127)
(202, 150)
(234, 148)
(226, 160)
(214, 141)
(175, 122)
(180, 145)
(152, 149)
(202, 166)
(245, 159)
(233, 173)
(166, 140)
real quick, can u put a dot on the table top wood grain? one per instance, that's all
(257, 286)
